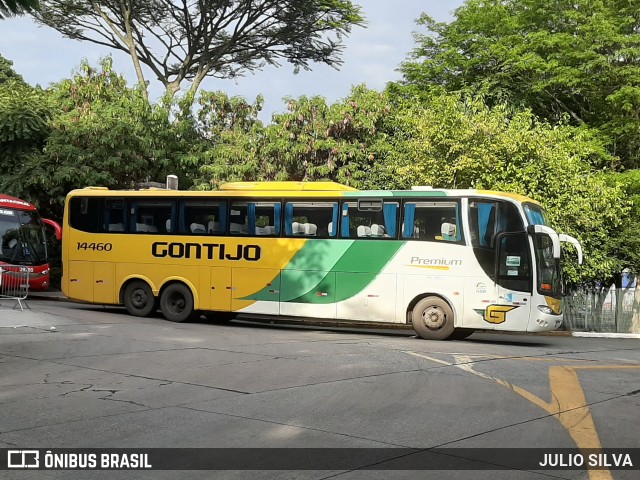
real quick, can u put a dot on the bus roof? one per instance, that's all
(287, 186)
(304, 189)
(7, 201)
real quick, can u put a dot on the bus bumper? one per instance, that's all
(541, 322)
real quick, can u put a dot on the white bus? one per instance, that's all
(449, 262)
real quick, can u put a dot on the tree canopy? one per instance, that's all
(573, 58)
(186, 41)
(17, 7)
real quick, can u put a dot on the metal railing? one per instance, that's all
(14, 284)
(602, 310)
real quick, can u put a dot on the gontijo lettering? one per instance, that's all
(209, 251)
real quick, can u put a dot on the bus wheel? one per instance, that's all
(176, 303)
(139, 299)
(432, 319)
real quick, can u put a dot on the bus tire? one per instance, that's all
(176, 303)
(138, 299)
(432, 318)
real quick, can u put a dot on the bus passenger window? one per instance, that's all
(487, 219)
(432, 221)
(151, 216)
(82, 214)
(203, 217)
(114, 215)
(311, 219)
(255, 218)
(371, 224)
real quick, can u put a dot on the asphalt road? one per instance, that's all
(74, 376)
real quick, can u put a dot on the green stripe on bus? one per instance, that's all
(306, 269)
(365, 259)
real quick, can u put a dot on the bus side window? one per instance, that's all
(432, 221)
(255, 218)
(488, 219)
(380, 223)
(114, 215)
(203, 217)
(82, 214)
(514, 262)
(151, 216)
(311, 219)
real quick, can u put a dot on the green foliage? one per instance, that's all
(561, 58)
(453, 141)
(103, 133)
(311, 141)
(7, 73)
(625, 242)
(25, 113)
(10, 8)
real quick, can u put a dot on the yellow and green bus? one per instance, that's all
(448, 262)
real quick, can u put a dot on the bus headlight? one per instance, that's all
(545, 309)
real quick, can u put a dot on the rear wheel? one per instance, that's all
(139, 299)
(176, 303)
(432, 319)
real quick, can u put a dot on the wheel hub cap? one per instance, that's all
(434, 318)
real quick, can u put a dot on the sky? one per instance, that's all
(371, 56)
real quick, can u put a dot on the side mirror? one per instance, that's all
(57, 229)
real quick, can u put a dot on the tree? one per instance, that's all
(456, 141)
(573, 58)
(312, 140)
(7, 73)
(189, 40)
(17, 7)
(25, 113)
(101, 133)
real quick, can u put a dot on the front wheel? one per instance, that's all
(432, 319)
(176, 303)
(138, 299)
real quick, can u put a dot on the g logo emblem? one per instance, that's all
(497, 313)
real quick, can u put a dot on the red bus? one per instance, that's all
(23, 242)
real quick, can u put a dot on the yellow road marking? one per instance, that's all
(569, 403)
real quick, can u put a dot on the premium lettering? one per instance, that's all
(435, 261)
(208, 251)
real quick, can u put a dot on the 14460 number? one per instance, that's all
(100, 247)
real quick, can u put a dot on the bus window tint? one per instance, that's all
(514, 263)
(432, 221)
(381, 224)
(203, 217)
(535, 214)
(488, 218)
(311, 219)
(83, 214)
(151, 216)
(255, 218)
(114, 216)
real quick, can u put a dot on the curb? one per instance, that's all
(605, 335)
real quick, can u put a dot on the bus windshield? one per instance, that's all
(549, 280)
(22, 238)
(535, 214)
